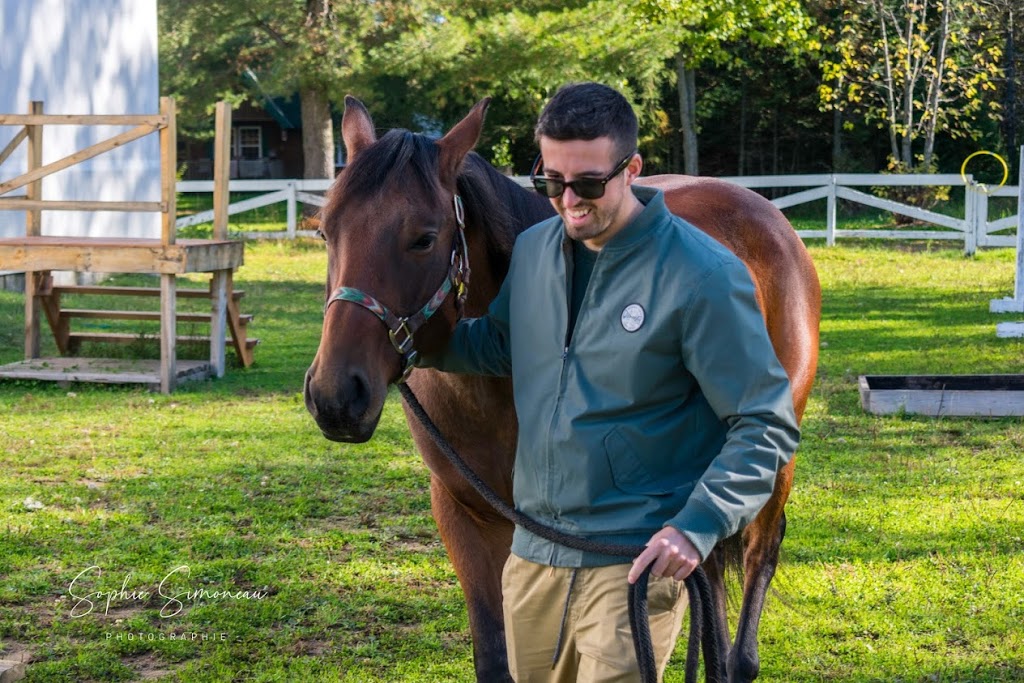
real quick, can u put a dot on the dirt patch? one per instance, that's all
(15, 652)
(149, 667)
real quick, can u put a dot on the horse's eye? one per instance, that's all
(319, 233)
(425, 242)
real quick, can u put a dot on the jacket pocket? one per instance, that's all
(632, 473)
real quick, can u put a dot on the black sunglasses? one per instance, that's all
(585, 188)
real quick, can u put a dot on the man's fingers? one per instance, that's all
(641, 562)
(667, 561)
(684, 571)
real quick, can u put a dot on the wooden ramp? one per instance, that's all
(104, 370)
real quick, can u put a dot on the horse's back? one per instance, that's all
(756, 231)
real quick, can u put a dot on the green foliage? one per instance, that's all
(212, 50)
(922, 196)
(704, 31)
(913, 69)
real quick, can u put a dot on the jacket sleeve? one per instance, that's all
(727, 349)
(479, 346)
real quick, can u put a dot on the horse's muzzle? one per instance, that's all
(346, 413)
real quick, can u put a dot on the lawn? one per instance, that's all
(214, 535)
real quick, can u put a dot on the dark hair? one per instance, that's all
(585, 111)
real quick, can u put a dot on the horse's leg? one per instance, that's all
(714, 568)
(763, 538)
(477, 546)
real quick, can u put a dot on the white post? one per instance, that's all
(981, 220)
(1018, 290)
(291, 211)
(1016, 304)
(830, 213)
(970, 218)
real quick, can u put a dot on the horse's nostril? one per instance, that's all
(307, 395)
(359, 394)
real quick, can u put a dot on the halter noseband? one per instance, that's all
(401, 330)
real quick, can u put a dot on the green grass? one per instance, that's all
(904, 559)
(270, 218)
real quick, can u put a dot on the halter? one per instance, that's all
(401, 330)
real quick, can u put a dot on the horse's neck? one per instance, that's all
(524, 208)
(531, 206)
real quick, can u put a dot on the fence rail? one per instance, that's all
(974, 228)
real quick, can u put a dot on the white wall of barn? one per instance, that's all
(83, 57)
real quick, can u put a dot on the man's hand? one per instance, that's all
(672, 554)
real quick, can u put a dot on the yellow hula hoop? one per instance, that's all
(982, 187)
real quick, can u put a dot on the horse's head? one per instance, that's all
(395, 250)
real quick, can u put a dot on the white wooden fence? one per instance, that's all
(291, 192)
(974, 228)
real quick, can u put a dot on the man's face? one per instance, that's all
(592, 221)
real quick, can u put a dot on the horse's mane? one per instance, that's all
(494, 204)
(500, 206)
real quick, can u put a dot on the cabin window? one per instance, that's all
(247, 142)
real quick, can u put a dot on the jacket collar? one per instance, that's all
(653, 214)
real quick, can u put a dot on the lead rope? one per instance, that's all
(703, 616)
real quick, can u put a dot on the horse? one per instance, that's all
(409, 212)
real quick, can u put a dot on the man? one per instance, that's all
(652, 408)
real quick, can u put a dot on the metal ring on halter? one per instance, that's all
(982, 187)
(460, 212)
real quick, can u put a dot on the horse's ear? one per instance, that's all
(460, 141)
(356, 128)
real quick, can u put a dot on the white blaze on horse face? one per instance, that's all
(592, 221)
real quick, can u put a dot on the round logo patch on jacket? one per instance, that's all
(632, 317)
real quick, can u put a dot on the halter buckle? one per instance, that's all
(405, 345)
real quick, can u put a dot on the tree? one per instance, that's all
(519, 53)
(1008, 15)
(703, 31)
(315, 48)
(913, 68)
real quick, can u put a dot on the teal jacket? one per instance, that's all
(667, 407)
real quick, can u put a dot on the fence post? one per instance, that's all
(33, 228)
(221, 171)
(830, 213)
(1018, 289)
(981, 220)
(970, 218)
(291, 211)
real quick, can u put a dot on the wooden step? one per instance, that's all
(123, 338)
(184, 292)
(141, 315)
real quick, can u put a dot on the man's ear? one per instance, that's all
(635, 167)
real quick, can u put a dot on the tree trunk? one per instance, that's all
(837, 140)
(890, 83)
(935, 90)
(742, 163)
(688, 114)
(317, 134)
(1010, 93)
(775, 141)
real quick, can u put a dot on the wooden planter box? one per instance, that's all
(941, 395)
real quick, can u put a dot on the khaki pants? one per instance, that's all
(596, 641)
